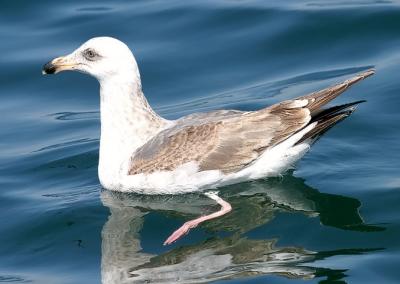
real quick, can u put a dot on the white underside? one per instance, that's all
(188, 178)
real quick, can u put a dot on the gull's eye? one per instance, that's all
(90, 54)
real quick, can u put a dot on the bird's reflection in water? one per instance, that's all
(235, 256)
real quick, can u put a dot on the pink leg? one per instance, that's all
(184, 229)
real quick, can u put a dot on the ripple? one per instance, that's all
(13, 279)
(74, 195)
(95, 9)
(84, 115)
(67, 144)
(343, 4)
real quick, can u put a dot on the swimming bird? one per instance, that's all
(142, 152)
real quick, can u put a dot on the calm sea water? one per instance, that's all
(336, 218)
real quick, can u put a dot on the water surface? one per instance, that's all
(333, 219)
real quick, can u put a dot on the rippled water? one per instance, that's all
(335, 218)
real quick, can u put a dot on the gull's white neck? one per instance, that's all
(127, 122)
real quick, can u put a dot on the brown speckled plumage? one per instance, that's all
(230, 140)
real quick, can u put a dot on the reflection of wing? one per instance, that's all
(259, 202)
(230, 140)
(293, 193)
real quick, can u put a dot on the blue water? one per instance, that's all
(335, 219)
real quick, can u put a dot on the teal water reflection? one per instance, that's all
(233, 254)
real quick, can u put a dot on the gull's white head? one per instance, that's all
(104, 58)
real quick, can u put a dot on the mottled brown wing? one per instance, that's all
(229, 141)
(227, 145)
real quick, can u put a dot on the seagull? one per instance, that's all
(143, 152)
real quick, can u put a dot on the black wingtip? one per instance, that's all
(324, 113)
(327, 118)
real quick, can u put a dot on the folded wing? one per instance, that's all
(231, 140)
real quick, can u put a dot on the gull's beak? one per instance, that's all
(59, 64)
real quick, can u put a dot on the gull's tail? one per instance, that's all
(327, 118)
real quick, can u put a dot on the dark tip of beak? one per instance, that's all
(49, 68)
